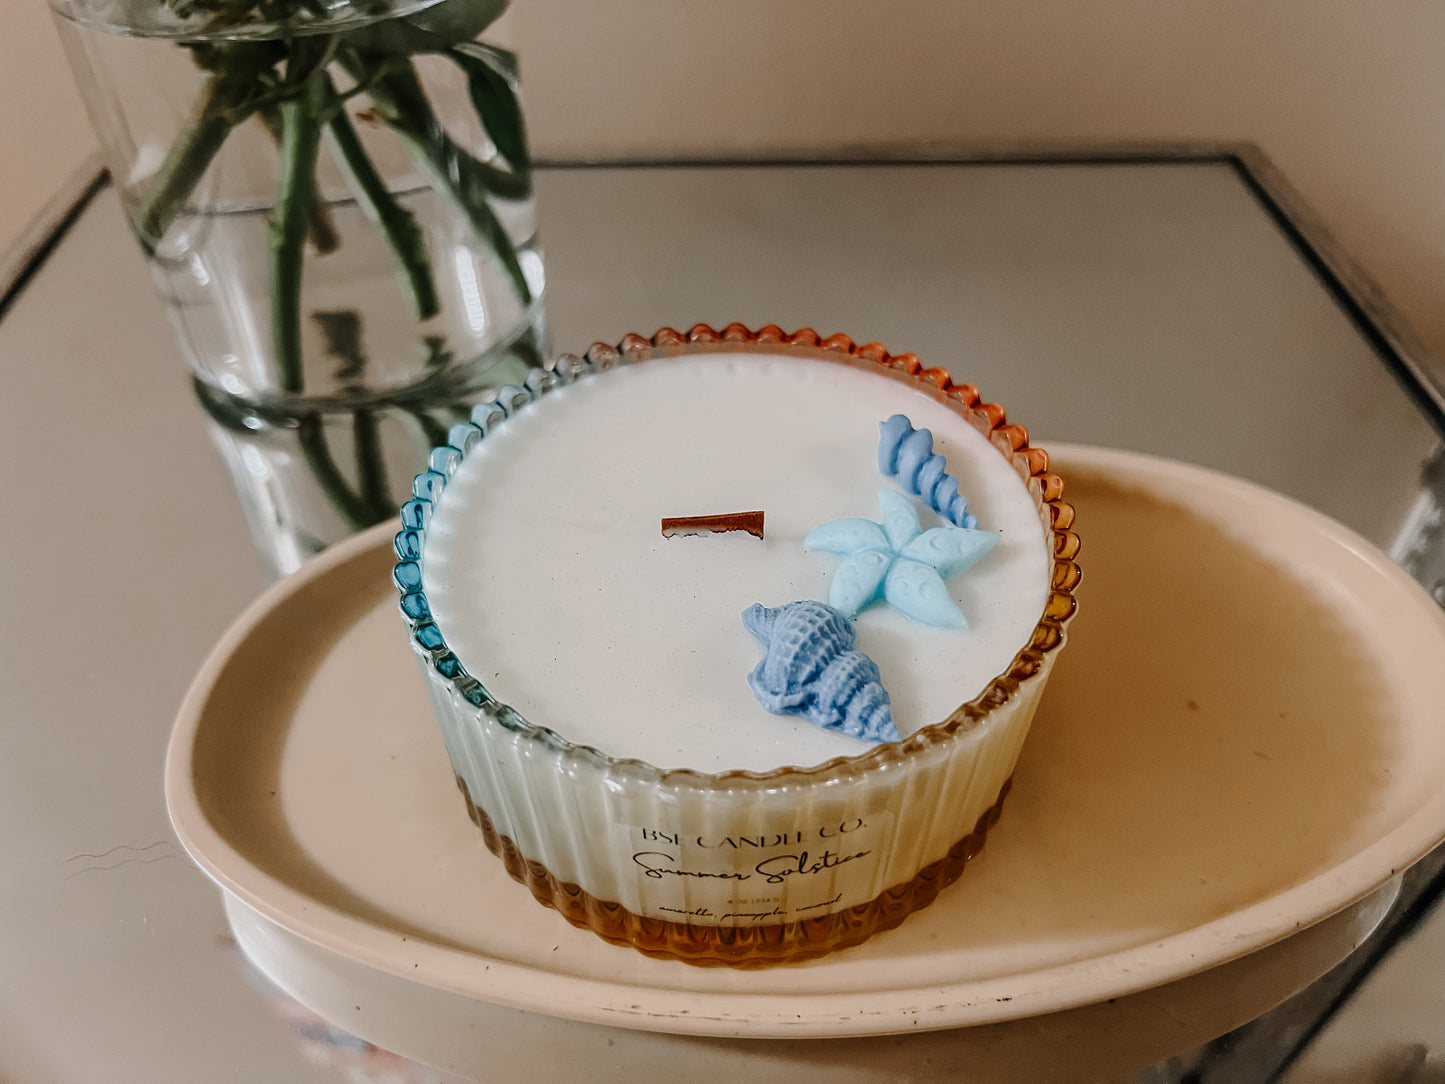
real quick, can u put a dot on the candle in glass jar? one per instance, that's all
(548, 575)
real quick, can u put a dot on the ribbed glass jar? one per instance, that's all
(630, 851)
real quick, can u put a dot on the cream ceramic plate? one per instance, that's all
(1241, 739)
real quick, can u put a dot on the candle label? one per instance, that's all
(757, 877)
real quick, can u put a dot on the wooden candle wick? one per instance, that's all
(752, 522)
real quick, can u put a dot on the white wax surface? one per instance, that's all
(548, 574)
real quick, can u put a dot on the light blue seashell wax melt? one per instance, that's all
(812, 669)
(899, 561)
(907, 453)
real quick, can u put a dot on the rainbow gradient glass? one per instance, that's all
(887, 829)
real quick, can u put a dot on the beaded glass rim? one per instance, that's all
(1012, 441)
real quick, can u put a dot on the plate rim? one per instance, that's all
(739, 1012)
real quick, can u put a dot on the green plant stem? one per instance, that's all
(408, 246)
(527, 349)
(398, 96)
(354, 510)
(370, 466)
(296, 192)
(489, 74)
(322, 233)
(189, 157)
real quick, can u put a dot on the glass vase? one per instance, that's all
(335, 202)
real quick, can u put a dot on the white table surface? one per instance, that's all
(1148, 306)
